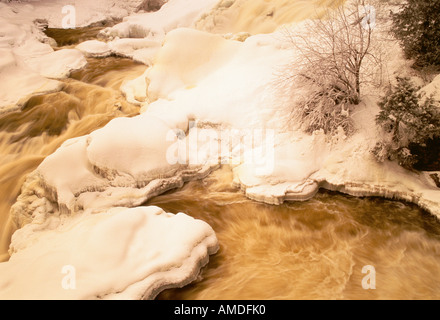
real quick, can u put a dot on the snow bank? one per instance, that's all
(306, 163)
(208, 77)
(231, 84)
(58, 64)
(120, 254)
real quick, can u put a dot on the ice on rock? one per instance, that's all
(119, 254)
(141, 50)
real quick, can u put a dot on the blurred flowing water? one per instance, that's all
(89, 100)
(309, 250)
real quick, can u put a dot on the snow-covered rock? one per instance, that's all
(58, 64)
(87, 174)
(155, 25)
(120, 254)
(94, 48)
(27, 63)
(140, 50)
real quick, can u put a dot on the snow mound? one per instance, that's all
(120, 254)
(208, 77)
(306, 163)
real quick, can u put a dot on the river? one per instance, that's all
(303, 250)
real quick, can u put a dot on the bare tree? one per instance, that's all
(336, 56)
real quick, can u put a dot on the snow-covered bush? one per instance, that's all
(323, 108)
(336, 57)
(409, 123)
(417, 26)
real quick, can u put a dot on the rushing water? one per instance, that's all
(302, 250)
(88, 101)
(309, 250)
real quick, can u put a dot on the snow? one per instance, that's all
(119, 254)
(140, 50)
(94, 48)
(29, 64)
(58, 64)
(202, 91)
(432, 89)
(229, 83)
(22, 81)
(223, 85)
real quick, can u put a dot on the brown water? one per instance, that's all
(88, 101)
(309, 250)
(68, 37)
